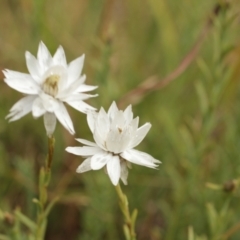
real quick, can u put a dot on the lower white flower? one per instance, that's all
(50, 83)
(116, 134)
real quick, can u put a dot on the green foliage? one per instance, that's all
(195, 119)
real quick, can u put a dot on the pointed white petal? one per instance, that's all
(100, 141)
(140, 135)
(140, 158)
(101, 129)
(85, 166)
(128, 114)
(75, 69)
(64, 118)
(86, 88)
(38, 108)
(99, 160)
(124, 172)
(21, 108)
(73, 150)
(112, 110)
(102, 123)
(84, 151)
(91, 119)
(59, 57)
(11, 75)
(33, 66)
(24, 85)
(113, 169)
(86, 142)
(78, 97)
(113, 141)
(50, 123)
(81, 106)
(134, 124)
(44, 57)
(118, 122)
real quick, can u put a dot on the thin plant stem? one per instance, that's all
(44, 180)
(129, 225)
(51, 142)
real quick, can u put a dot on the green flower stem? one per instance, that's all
(51, 142)
(44, 180)
(129, 225)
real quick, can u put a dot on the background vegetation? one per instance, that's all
(195, 115)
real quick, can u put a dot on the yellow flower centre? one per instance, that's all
(50, 85)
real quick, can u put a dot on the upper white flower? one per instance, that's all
(50, 82)
(116, 133)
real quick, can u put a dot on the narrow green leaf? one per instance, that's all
(202, 96)
(50, 206)
(207, 72)
(134, 217)
(25, 220)
(126, 232)
(212, 217)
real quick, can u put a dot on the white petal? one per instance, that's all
(86, 142)
(33, 66)
(118, 121)
(75, 69)
(44, 57)
(132, 128)
(50, 104)
(116, 141)
(134, 124)
(24, 84)
(86, 88)
(100, 141)
(59, 57)
(99, 160)
(140, 158)
(21, 108)
(128, 114)
(102, 123)
(91, 119)
(64, 118)
(38, 108)
(16, 75)
(140, 135)
(124, 172)
(101, 129)
(72, 88)
(78, 97)
(84, 151)
(81, 106)
(113, 169)
(112, 110)
(50, 123)
(85, 166)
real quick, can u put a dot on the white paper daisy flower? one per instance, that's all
(50, 83)
(116, 134)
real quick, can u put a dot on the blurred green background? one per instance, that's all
(195, 119)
